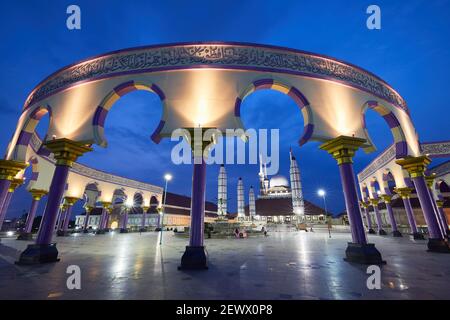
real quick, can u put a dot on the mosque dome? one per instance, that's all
(279, 181)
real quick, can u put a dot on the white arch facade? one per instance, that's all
(204, 84)
(81, 176)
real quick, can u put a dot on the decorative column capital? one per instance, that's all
(403, 192)
(107, 206)
(71, 200)
(364, 204)
(145, 208)
(195, 140)
(37, 194)
(15, 183)
(415, 166)
(374, 201)
(66, 151)
(386, 198)
(440, 203)
(10, 168)
(343, 148)
(430, 180)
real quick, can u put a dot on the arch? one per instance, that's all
(365, 192)
(28, 129)
(388, 182)
(119, 196)
(294, 93)
(138, 200)
(401, 146)
(119, 91)
(375, 187)
(91, 193)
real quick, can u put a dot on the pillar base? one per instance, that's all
(194, 258)
(438, 245)
(100, 231)
(27, 236)
(143, 229)
(38, 253)
(418, 236)
(382, 232)
(106, 230)
(397, 233)
(371, 231)
(363, 254)
(123, 230)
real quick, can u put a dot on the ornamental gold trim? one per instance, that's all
(343, 148)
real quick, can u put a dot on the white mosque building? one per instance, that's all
(279, 200)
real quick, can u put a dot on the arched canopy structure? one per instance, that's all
(202, 84)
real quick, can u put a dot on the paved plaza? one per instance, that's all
(284, 265)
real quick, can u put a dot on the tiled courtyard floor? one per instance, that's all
(289, 265)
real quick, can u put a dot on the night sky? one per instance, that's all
(411, 52)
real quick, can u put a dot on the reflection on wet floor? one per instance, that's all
(292, 265)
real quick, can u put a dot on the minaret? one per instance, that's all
(296, 188)
(261, 177)
(240, 199)
(251, 204)
(222, 192)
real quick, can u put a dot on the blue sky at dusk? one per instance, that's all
(411, 52)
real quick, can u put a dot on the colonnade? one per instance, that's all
(432, 209)
(342, 149)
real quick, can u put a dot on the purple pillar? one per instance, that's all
(158, 221)
(410, 215)
(144, 216)
(198, 204)
(54, 200)
(369, 221)
(4, 190)
(101, 225)
(444, 217)
(86, 220)
(351, 203)
(195, 256)
(62, 218)
(106, 220)
(376, 209)
(387, 202)
(5, 207)
(391, 216)
(67, 219)
(427, 208)
(124, 220)
(441, 220)
(31, 215)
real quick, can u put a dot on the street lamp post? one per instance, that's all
(167, 177)
(322, 194)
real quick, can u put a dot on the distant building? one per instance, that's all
(282, 202)
(177, 214)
